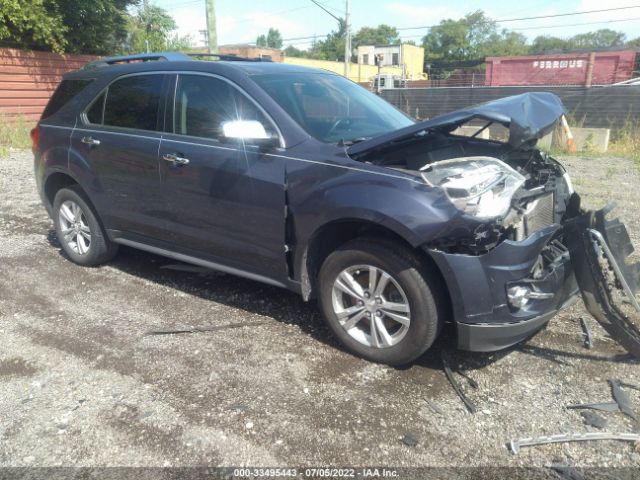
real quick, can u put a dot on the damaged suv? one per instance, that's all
(302, 179)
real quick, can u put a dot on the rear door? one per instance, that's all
(118, 138)
(227, 203)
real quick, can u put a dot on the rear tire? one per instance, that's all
(390, 314)
(78, 230)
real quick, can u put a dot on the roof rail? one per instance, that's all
(230, 57)
(142, 57)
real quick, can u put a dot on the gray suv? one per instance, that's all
(299, 178)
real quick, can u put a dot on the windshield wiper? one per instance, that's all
(353, 141)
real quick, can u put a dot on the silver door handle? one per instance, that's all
(175, 159)
(90, 141)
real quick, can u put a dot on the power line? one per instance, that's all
(504, 20)
(512, 20)
(542, 27)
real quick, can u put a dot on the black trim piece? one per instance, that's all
(197, 261)
(489, 338)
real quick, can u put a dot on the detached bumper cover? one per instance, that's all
(599, 251)
(478, 287)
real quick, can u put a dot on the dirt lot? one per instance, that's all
(82, 385)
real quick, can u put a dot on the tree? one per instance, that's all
(154, 25)
(380, 35)
(95, 26)
(547, 44)
(332, 47)
(292, 51)
(74, 26)
(273, 39)
(36, 24)
(458, 40)
(603, 38)
(635, 43)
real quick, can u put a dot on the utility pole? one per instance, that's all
(347, 33)
(347, 43)
(212, 35)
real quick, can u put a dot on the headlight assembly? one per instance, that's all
(479, 186)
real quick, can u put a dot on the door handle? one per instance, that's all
(90, 141)
(175, 159)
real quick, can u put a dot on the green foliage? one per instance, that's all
(95, 26)
(155, 26)
(36, 24)
(626, 142)
(273, 39)
(292, 51)
(14, 133)
(332, 47)
(380, 35)
(73, 26)
(635, 43)
(474, 36)
(603, 38)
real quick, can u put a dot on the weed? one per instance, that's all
(627, 142)
(14, 133)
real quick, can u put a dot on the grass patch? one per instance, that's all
(14, 133)
(627, 142)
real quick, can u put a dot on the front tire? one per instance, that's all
(376, 297)
(78, 230)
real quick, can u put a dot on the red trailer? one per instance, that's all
(561, 69)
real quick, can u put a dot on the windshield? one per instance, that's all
(332, 108)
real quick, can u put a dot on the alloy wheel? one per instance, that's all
(74, 227)
(371, 306)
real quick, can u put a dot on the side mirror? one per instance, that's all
(249, 131)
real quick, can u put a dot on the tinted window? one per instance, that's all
(65, 92)
(203, 104)
(332, 108)
(94, 114)
(134, 102)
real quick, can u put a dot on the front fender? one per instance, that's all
(319, 195)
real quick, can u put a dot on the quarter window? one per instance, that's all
(203, 104)
(64, 94)
(134, 102)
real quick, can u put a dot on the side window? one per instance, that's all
(203, 104)
(134, 102)
(94, 114)
(63, 94)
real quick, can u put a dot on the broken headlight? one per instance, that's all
(480, 186)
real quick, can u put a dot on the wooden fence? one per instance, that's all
(27, 80)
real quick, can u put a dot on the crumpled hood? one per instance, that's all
(529, 116)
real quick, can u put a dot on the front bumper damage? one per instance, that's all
(585, 254)
(479, 285)
(599, 250)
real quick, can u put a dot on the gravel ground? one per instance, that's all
(82, 385)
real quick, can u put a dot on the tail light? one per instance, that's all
(35, 139)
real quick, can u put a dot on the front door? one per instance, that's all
(224, 200)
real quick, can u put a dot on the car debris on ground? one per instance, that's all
(588, 336)
(471, 407)
(211, 328)
(516, 445)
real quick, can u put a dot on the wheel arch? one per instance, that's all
(330, 236)
(53, 183)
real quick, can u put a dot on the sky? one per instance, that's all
(241, 21)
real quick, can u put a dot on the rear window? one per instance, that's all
(134, 102)
(63, 94)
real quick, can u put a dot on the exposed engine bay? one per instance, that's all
(512, 192)
(507, 189)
